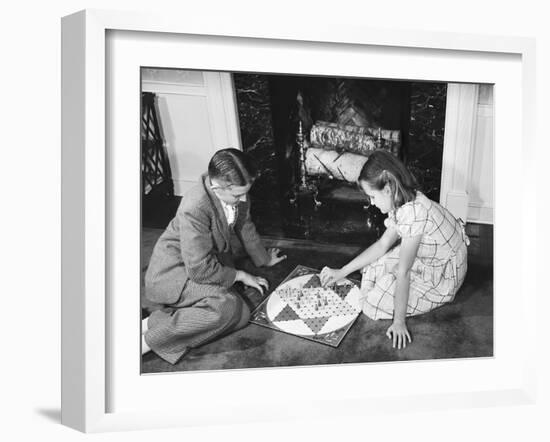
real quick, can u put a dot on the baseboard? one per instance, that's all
(480, 213)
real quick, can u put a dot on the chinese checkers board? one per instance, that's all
(302, 307)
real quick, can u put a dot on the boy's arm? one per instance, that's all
(197, 251)
(251, 241)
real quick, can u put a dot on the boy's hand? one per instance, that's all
(274, 257)
(399, 333)
(249, 280)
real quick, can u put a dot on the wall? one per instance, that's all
(197, 117)
(480, 206)
(467, 170)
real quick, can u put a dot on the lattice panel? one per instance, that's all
(155, 168)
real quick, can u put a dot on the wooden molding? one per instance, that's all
(460, 127)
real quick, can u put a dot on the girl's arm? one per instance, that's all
(398, 330)
(375, 251)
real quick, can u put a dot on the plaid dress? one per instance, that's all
(438, 270)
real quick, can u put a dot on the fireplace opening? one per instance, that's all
(278, 112)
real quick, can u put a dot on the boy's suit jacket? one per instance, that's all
(196, 245)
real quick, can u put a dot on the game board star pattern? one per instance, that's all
(287, 314)
(315, 281)
(316, 324)
(301, 306)
(342, 290)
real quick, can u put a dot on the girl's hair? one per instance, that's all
(233, 167)
(384, 168)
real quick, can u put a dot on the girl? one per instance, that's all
(423, 271)
(192, 271)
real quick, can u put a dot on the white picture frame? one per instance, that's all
(91, 370)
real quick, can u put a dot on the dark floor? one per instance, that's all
(462, 329)
(330, 223)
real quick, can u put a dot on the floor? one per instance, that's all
(462, 329)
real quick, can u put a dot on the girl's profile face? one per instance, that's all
(380, 198)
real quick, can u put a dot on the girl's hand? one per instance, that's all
(274, 257)
(249, 280)
(330, 276)
(399, 333)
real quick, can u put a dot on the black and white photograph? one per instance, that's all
(305, 220)
(275, 222)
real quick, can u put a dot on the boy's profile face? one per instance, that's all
(230, 193)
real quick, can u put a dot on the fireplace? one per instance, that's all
(271, 107)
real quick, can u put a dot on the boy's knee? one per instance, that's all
(230, 309)
(244, 317)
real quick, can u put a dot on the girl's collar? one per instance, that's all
(392, 213)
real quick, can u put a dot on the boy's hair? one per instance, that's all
(384, 168)
(232, 167)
